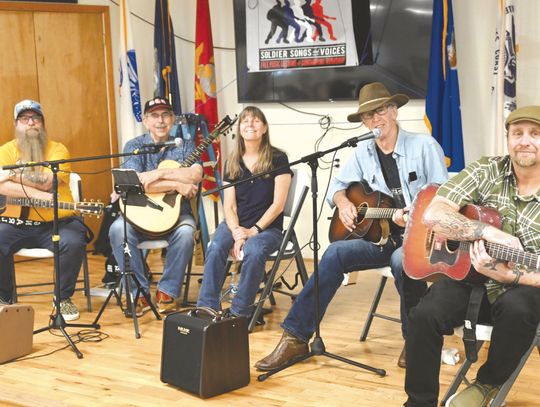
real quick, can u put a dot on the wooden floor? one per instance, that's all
(124, 371)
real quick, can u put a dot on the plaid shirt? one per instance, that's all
(490, 182)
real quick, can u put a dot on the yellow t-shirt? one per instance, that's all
(9, 155)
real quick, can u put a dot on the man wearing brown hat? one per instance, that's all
(510, 184)
(159, 119)
(397, 164)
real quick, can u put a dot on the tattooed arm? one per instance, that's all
(29, 178)
(443, 217)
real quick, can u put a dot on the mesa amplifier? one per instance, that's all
(204, 353)
(16, 325)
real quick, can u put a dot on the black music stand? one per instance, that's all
(130, 189)
(57, 320)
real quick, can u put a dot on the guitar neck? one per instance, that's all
(377, 213)
(39, 203)
(195, 155)
(501, 252)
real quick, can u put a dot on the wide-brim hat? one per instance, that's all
(374, 95)
(525, 113)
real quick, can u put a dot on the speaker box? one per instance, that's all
(16, 325)
(204, 355)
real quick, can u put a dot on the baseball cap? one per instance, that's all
(27, 104)
(157, 103)
(526, 113)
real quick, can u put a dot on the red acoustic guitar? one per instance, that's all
(370, 205)
(428, 256)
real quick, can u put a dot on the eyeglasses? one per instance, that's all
(380, 111)
(163, 116)
(34, 118)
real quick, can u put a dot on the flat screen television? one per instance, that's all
(400, 35)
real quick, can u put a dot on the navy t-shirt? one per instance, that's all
(254, 197)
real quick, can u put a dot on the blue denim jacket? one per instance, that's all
(420, 161)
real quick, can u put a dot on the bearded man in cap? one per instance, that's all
(31, 227)
(398, 164)
(510, 184)
(158, 119)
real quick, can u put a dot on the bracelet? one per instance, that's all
(518, 276)
(259, 229)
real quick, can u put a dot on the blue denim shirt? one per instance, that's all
(419, 158)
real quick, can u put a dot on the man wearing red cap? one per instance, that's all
(24, 227)
(510, 184)
(159, 119)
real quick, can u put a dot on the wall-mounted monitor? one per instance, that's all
(399, 33)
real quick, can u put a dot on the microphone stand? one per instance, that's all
(317, 345)
(57, 321)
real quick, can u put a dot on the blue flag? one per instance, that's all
(443, 112)
(165, 72)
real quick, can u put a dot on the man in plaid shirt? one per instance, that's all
(510, 184)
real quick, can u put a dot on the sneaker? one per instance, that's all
(141, 308)
(474, 395)
(69, 311)
(165, 303)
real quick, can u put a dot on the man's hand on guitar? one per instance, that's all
(148, 177)
(400, 217)
(347, 214)
(497, 270)
(187, 190)
(494, 235)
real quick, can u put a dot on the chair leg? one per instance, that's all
(187, 281)
(373, 309)
(86, 283)
(507, 385)
(460, 376)
(300, 265)
(11, 266)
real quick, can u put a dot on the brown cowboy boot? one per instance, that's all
(288, 348)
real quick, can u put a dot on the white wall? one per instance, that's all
(296, 133)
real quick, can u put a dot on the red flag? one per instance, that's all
(205, 89)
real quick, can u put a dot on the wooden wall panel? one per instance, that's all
(18, 75)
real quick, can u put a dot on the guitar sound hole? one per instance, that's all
(361, 213)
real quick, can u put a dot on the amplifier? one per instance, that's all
(205, 354)
(16, 325)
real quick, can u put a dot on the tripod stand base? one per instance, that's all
(318, 349)
(57, 322)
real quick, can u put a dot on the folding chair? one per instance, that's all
(39, 253)
(289, 247)
(483, 333)
(385, 273)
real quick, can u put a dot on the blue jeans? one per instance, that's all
(256, 251)
(179, 253)
(72, 247)
(343, 257)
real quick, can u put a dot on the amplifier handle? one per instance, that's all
(206, 310)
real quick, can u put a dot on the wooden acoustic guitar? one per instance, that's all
(428, 256)
(162, 212)
(373, 209)
(11, 207)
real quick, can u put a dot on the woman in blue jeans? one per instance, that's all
(253, 214)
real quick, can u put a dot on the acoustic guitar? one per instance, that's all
(428, 256)
(11, 207)
(373, 209)
(162, 212)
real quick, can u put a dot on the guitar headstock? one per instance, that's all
(225, 125)
(89, 208)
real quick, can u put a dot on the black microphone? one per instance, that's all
(177, 142)
(375, 133)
